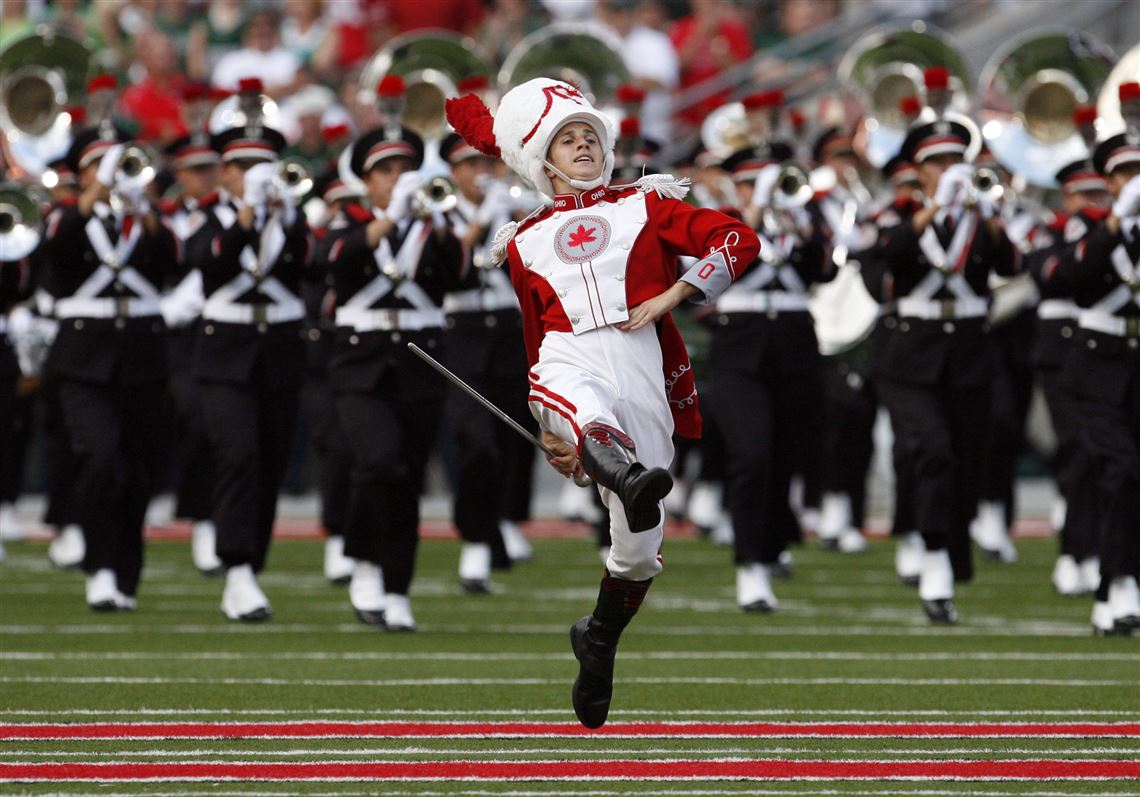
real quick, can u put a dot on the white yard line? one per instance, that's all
(659, 655)
(687, 681)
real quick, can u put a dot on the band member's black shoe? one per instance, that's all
(609, 458)
(594, 686)
(475, 586)
(941, 612)
(909, 581)
(369, 617)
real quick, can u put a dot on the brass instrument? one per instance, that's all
(793, 186)
(584, 56)
(1112, 120)
(1028, 91)
(20, 220)
(293, 180)
(249, 111)
(985, 184)
(887, 65)
(725, 130)
(436, 194)
(42, 72)
(432, 63)
(135, 171)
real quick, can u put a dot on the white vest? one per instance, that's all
(583, 254)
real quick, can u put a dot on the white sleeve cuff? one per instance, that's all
(711, 276)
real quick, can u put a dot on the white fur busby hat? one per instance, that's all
(527, 119)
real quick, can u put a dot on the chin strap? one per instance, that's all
(581, 185)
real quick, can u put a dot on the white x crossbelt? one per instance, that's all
(397, 277)
(284, 306)
(86, 302)
(754, 292)
(1101, 317)
(920, 302)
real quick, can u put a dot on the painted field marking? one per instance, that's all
(657, 655)
(660, 790)
(464, 682)
(721, 714)
(1025, 770)
(420, 750)
(551, 730)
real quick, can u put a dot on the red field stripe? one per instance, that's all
(461, 730)
(582, 770)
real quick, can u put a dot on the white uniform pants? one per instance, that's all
(615, 378)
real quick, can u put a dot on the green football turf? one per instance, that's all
(849, 644)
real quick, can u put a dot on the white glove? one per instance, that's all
(496, 204)
(987, 208)
(109, 165)
(953, 185)
(400, 205)
(1127, 204)
(765, 185)
(256, 183)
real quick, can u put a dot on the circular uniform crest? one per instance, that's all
(582, 238)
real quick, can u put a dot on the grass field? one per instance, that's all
(847, 690)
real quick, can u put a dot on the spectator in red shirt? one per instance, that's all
(155, 101)
(707, 42)
(401, 16)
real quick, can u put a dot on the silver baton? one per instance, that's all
(581, 481)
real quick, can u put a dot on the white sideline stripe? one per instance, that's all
(1021, 629)
(659, 655)
(115, 679)
(578, 751)
(372, 714)
(660, 789)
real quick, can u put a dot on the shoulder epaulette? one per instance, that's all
(358, 212)
(209, 200)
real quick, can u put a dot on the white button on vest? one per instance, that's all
(395, 337)
(575, 319)
(948, 328)
(353, 339)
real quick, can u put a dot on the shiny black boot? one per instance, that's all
(594, 640)
(608, 457)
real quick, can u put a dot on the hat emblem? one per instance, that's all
(942, 127)
(560, 90)
(1132, 137)
(582, 238)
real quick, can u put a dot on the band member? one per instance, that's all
(485, 349)
(330, 444)
(596, 278)
(1103, 370)
(1085, 197)
(849, 403)
(107, 257)
(905, 190)
(936, 367)
(391, 264)
(251, 251)
(764, 363)
(194, 165)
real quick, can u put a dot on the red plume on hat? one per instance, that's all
(471, 119)
(1084, 118)
(250, 85)
(936, 78)
(910, 107)
(102, 82)
(472, 84)
(630, 127)
(390, 86)
(629, 94)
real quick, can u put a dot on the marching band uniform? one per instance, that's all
(13, 280)
(1103, 370)
(485, 350)
(105, 271)
(330, 444)
(249, 361)
(937, 365)
(182, 307)
(390, 405)
(580, 267)
(850, 404)
(1077, 570)
(765, 364)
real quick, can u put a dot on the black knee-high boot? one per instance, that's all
(594, 640)
(609, 458)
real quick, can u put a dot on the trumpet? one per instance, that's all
(435, 195)
(134, 172)
(293, 181)
(985, 185)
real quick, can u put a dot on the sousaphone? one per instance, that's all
(887, 65)
(432, 63)
(1028, 91)
(42, 73)
(586, 57)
